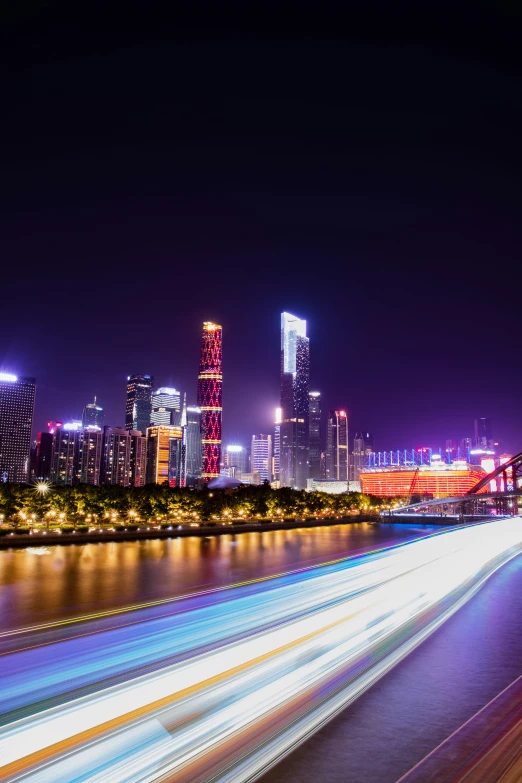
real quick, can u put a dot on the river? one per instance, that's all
(388, 729)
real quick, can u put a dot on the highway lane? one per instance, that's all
(247, 677)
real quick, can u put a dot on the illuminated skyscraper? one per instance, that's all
(276, 457)
(337, 446)
(295, 374)
(124, 457)
(314, 434)
(261, 457)
(164, 450)
(210, 382)
(138, 459)
(193, 446)
(64, 463)
(139, 402)
(90, 445)
(16, 420)
(235, 460)
(92, 415)
(166, 407)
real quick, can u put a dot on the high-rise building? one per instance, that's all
(166, 407)
(164, 464)
(483, 434)
(210, 382)
(236, 460)
(276, 457)
(92, 415)
(362, 447)
(43, 456)
(337, 446)
(261, 457)
(295, 374)
(138, 459)
(314, 434)
(16, 421)
(64, 462)
(90, 446)
(115, 468)
(192, 440)
(139, 402)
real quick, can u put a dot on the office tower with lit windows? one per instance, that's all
(89, 445)
(314, 434)
(166, 407)
(192, 440)
(16, 421)
(210, 382)
(362, 447)
(295, 375)
(483, 434)
(236, 460)
(139, 402)
(276, 456)
(92, 415)
(337, 446)
(164, 450)
(261, 457)
(43, 456)
(64, 462)
(115, 467)
(138, 459)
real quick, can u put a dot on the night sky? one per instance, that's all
(362, 173)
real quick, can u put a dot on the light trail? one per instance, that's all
(222, 690)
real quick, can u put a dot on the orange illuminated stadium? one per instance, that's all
(439, 482)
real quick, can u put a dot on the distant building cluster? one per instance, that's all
(167, 441)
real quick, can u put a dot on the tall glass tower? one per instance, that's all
(193, 445)
(16, 420)
(166, 407)
(314, 434)
(139, 402)
(337, 446)
(210, 383)
(92, 415)
(295, 378)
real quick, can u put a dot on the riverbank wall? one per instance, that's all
(55, 537)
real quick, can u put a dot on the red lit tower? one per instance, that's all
(210, 382)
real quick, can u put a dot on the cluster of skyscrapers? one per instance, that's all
(166, 440)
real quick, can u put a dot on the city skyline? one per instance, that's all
(243, 433)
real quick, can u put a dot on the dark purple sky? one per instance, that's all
(363, 174)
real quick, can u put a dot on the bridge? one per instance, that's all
(504, 501)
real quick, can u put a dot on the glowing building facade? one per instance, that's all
(337, 446)
(210, 383)
(139, 402)
(276, 457)
(295, 375)
(16, 420)
(166, 407)
(314, 434)
(236, 461)
(438, 481)
(164, 452)
(261, 457)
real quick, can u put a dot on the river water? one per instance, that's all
(461, 667)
